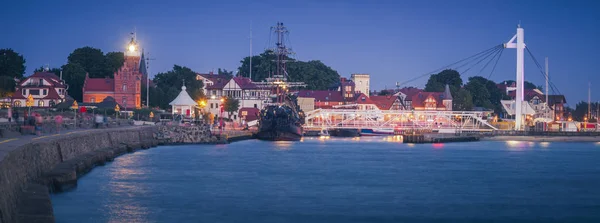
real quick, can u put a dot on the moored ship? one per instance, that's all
(281, 119)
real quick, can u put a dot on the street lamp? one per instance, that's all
(75, 106)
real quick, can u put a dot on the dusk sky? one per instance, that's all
(394, 41)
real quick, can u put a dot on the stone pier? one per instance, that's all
(31, 171)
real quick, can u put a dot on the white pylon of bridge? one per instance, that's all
(518, 42)
(371, 117)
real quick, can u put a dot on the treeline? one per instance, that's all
(476, 92)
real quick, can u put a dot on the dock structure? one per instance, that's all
(433, 121)
(437, 138)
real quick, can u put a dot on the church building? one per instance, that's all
(125, 87)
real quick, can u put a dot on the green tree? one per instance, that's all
(231, 105)
(92, 60)
(170, 84)
(437, 82)
(581, 111)
(315, 74)
(385, 93)
(528, 85)
(114, 61)
(12, 64)
(51, 70)
(225, 72)
(7, 86)
(462, 100)
(74, 76)
(485, 93)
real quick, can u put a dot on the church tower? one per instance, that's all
(129, 77)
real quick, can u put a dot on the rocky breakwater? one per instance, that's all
(186, 134)
(30, 171)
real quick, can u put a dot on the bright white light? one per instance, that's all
(131, 48)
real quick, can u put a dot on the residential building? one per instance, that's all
(45, 88)
(125, 87)
(434, 101)
(217, 87)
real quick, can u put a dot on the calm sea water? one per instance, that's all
(342, 180)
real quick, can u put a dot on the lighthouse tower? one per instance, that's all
(128, 78)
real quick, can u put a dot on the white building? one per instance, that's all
(45, 88)
(217, 87)
(183, 104)
(361, 82)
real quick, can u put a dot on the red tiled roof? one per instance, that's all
(418, 100)
(244, 83)
(48, 77)
(384, 102)
(335, 96)
(18, 95)
(410, 92)
(99, 84)
(252, 113)
(362, 98)
(219, 81)
(528, 94)
(52, 94)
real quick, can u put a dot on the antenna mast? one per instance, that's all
(547, 79)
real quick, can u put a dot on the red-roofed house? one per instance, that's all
(387, 102)
(438, 101)
(241, 88)
(125, 88)
(45, 88)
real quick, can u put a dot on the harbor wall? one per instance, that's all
(30, 172)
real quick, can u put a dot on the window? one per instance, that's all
(244, 113)
(211, 105)
(45, 92)
(24, 92)
(17, 103)
(255, 106)
(234, 116)
(124, 87)
(93, 100)
(124, 102)
(41, 103)
(34, 92)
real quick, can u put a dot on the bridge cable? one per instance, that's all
(539, 66)
(490, 61)
(496, 63)
(492, 49)
(550, 83)
(467, 70)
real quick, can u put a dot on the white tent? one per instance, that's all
(183, 104)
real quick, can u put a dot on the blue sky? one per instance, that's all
(393, 41)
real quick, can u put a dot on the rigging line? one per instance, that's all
(449, 65)
(478, 57)
(488, 63)
(477, 63)
(551, 84)
(494, 68)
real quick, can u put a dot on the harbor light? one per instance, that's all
(131, 48)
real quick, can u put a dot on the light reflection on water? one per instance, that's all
(369, 179)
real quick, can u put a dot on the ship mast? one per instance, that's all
(278, 81)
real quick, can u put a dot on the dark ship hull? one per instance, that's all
(281, 133)
(281, 123)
